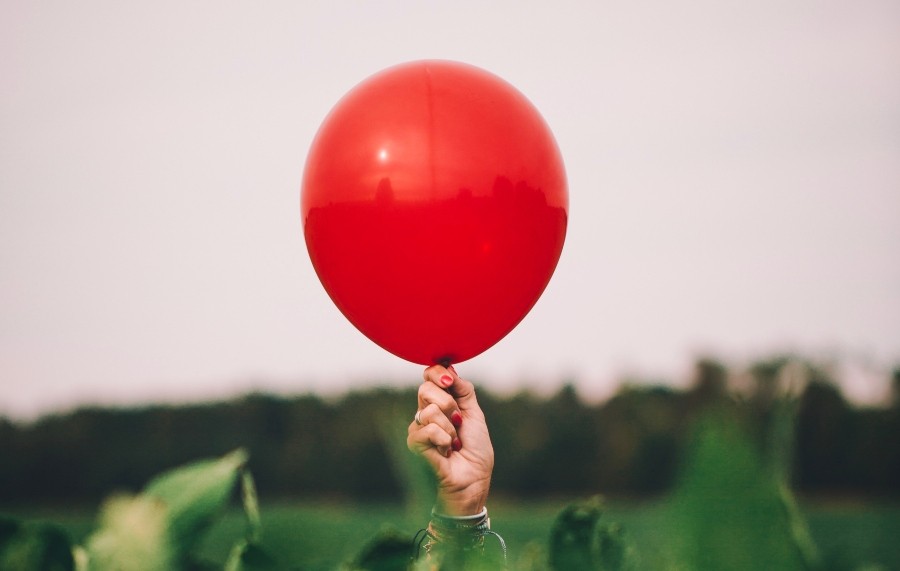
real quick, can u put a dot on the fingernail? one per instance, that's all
(446, 380)
(456, 418)
(457, 444)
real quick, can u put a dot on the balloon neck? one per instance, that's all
(445, 362)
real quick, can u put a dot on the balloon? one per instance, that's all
(434, 206)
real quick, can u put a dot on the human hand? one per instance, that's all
(450, 432)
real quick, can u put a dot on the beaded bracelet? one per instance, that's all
(462, 533)
(457, 522)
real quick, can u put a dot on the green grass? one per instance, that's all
(858, 533)
(319, 536)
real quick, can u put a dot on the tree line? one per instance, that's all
(312, 447)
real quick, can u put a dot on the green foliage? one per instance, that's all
(161, 527)
(310, 447)
(730, 511)
(156, 530)
(389, 551)
(731, 505)
(247, 556)
(132, 536)
(415, 475)
(34, 547)
(580, 542)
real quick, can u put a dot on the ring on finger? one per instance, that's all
(417, 419)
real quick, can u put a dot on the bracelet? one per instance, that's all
(455, 522)
(463, 533)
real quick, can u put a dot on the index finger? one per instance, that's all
(446, 379)
(440, 376)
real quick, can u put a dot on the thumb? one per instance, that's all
(464, 393)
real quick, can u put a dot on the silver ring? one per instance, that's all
(417, 419)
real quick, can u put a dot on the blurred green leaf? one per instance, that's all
(251, 506)
(8, 529)
(729, 510)
(389, 551)
(412, 470)
(579, 541)
(248, 556)
(157, 529)
(194, 494)
(34, 547)
(132, 536)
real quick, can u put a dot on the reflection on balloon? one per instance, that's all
(435, 206)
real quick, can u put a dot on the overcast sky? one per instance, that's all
(734, 172)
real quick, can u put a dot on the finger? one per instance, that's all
(446, 379)
(431, 394)
(460, 389)
(432, 413)
(429, 436)
(464, 393)
(440, 376)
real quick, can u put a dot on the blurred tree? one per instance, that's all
(642, 434)
(895, 388)
(825, 438)
(307, 446)
(710, 384)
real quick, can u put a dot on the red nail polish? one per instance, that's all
(446, 380)
(456, 418)
(457, 444)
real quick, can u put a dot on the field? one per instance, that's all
(731, 509)
(320, 536)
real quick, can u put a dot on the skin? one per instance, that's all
(453, 438)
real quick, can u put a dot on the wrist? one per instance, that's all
(464, 508)
(462, 503)
(459, 522)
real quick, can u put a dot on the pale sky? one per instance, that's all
(734, 179)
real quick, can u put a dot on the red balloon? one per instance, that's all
(434, 206)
